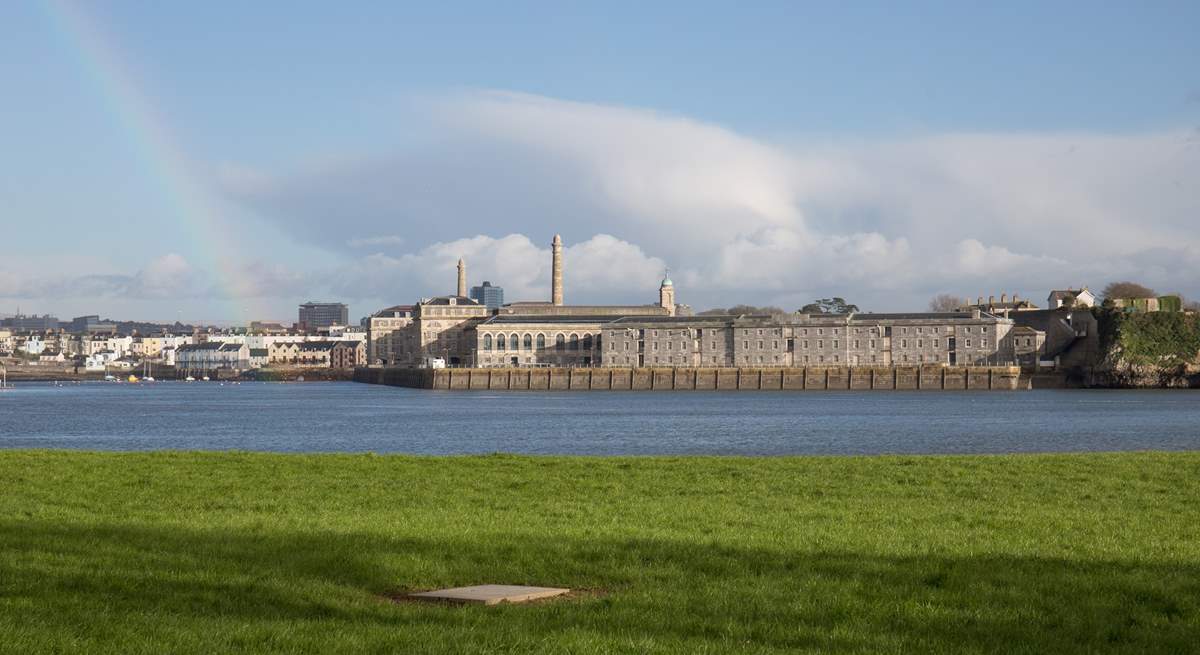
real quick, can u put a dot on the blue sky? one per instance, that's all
(713, 138)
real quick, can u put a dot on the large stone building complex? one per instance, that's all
(461, 331)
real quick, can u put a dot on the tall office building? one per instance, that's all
(488, 295)
(320, 315)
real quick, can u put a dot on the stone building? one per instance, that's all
(386, 335)
(959, 338)
(516, 340)
(442, 327)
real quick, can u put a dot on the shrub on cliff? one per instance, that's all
(1161, 338)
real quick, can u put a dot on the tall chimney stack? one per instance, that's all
(462, 278)
(556, 281)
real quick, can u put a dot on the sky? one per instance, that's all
(224, 162)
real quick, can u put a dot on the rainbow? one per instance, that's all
(159, 151)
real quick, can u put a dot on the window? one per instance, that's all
(574, 342)
(745, 345)
(626, 346)
(983, 343)
(820, 343)
(857, 343)
(760, 344)
(528, 341)
(514, 342)
(836, 343)
(655, 347)
(668, 345)
(836, 359)
(904, 344)
(968, 343)
(541, 341)
(820, 331)
(587, 342)
(500, 341)
(806, 344)
(775, 345)
(655, 333)
(904, 330)
(560, 342)
(487, 342)
(920, 342)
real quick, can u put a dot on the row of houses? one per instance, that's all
(222, 355)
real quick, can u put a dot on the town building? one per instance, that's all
(332, 354)
(23, 323)
(386, 336)
(487, 295)
(314, 316)
(90, 325)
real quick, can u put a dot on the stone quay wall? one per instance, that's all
(823, 378)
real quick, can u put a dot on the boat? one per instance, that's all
(4, 379)
(132, 378)
(189, 379)
(205, 378)
(110, 378)
(147, 372)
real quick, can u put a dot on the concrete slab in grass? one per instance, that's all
(490, 594)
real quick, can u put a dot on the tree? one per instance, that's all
(1127, 289)
(742, 309)
(945, 302)
(833, 305)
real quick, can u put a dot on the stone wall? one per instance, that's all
(824, 378)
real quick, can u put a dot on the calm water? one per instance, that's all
(350, 417)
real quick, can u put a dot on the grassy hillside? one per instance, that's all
(205, 553)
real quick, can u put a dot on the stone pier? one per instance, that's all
(823, 378)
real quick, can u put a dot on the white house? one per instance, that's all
(34, 345)
(1083, 298)
(211, 356)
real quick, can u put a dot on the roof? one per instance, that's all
(258, 352)
(501, 319)
(209, 345)
(1059, 294)
(394, 309)
(445, 300)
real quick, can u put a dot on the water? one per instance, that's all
(348, 417)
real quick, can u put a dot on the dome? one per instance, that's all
(667, 282)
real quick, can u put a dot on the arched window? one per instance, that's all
(574, 342)
(587, 342)
(541, 342)
(559, 341)
(487, 342)
(528, 342)
(514, 342)
(499, 342)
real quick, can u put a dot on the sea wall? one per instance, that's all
(879, 378)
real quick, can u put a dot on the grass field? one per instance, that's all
(213, 553)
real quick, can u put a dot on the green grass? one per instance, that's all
(214, 553)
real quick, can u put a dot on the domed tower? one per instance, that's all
(666, 294)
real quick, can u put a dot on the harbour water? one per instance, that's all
(349, 417)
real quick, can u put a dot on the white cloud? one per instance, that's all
(883, 223)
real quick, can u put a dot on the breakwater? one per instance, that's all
(864, 378)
